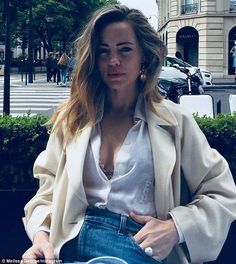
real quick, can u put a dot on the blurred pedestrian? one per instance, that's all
(49, 66)
(55, 68)
(233, 52)
(72, 63)
(63, 65)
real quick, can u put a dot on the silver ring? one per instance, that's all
(148, 251)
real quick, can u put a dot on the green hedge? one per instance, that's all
(221, 135)
(23, 138)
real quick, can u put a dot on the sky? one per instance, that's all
(148, 7)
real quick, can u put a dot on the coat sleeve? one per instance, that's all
(206, 220)
(38, 209)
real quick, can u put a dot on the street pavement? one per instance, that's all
(37, 97)
(43, 97)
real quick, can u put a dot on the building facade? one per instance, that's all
(204, 31)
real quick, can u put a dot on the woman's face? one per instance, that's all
(119, 57)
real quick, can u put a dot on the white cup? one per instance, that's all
(106, 260)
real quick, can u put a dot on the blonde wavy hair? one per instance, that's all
(88, 90)
(64, 59)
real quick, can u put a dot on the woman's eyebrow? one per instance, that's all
(103, 44)
(125, 43)
(119, 44)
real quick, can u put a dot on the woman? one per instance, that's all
(110, 177)
(62, 65)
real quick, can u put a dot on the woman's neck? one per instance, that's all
(121, 104)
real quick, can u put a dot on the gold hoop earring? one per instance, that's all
(143, 74)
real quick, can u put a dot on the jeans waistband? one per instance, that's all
(122, 223)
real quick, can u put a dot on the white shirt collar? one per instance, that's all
(139, 113)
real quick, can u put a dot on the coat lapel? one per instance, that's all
(76, 152)
(164, 156)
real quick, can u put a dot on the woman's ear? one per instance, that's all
(143, 61)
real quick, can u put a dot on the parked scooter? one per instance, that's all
(173, 88)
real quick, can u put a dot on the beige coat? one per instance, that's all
(178, 145)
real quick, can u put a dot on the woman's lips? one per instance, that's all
(115, 75)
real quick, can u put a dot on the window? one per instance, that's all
(232, 5)
(190, 7)
(169, 61)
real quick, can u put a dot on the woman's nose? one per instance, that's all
(114, 60)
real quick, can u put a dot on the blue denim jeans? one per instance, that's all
(105, 233)
(63, 73)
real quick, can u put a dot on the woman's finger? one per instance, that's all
(141, 219)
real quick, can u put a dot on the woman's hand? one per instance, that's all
(41, 249)
(160, 235)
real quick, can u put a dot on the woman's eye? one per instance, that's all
(125, 49)
(103, 51)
